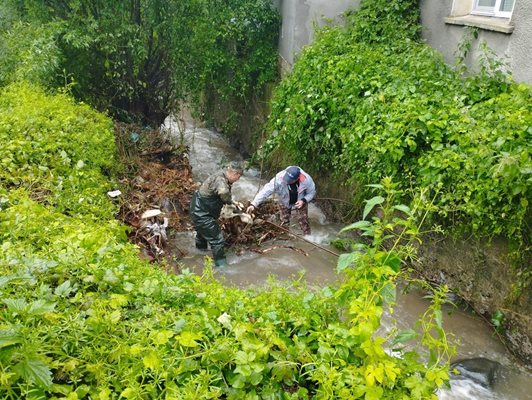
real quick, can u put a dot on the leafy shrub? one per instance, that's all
(59, 150)
(82, 316)
(137, 60)
(29, 53)
(368, 106)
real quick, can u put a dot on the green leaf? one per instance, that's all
(403, 208)
(389, 294)
(405, 336)
(16, 305)
(9, 337)
(39, 307)
(152, 361)
(393, 261)
(356, 225)
(34, 371)
(4, 280)
(63, 289)
(438, 318)
(188, 339)
(370, 204)
(347, 260)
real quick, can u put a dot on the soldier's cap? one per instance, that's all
(236, 166)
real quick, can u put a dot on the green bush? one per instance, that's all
(367, 106)
(60, 151)
(81, 316)
(138, 60)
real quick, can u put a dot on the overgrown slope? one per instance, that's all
(370, 100)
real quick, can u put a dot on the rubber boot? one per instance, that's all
(220, 263)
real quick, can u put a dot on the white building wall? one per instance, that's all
(514, 48)
(299, 17)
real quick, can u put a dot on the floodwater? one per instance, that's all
(317, 266)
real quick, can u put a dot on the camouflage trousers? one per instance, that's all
(302, 217)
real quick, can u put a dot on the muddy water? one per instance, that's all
(209, 151)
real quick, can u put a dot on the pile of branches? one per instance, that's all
(158, 184)
(157, 176)
(241, 235)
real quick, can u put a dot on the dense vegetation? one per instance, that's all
(370, 100)
(139, 59)
(81, 316)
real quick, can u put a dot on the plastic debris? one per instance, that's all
(114, 193)
(151, 213)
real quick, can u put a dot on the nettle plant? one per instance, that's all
(368, 106)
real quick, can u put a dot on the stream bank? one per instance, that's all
(248, 268)
(478, 270)
(208, 150)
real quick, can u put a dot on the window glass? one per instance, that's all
(486, 3)
(506, 5)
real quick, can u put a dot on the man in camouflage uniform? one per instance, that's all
(205, 207)
(294, 189)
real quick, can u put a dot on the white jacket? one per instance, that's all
(306, 189)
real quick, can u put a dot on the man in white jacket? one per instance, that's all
(294, 189)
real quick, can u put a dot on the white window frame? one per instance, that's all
(492, 11)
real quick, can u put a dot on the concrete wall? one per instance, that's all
(299, 18)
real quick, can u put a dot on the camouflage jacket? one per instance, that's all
(213, 193)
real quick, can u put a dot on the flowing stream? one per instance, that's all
(208, 151)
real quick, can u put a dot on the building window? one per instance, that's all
(495, 8)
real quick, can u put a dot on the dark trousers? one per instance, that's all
(302, 217)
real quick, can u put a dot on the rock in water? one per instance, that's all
(480, 370)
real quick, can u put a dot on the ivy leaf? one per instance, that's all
(34, 371)
(370, 204)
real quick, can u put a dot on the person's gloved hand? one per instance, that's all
(250, 209)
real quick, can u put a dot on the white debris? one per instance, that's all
(231, 210)
(114, 193)
(151, 213)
